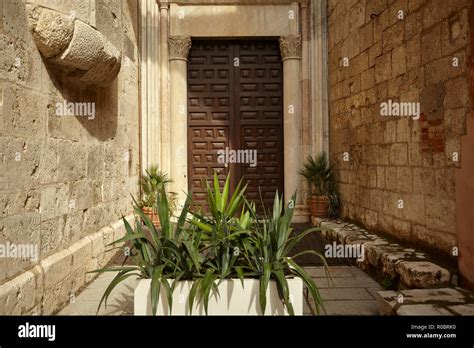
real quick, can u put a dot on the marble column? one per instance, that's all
(164, 85)
(290, 47)
(178, 56)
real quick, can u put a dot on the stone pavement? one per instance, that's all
(351, 292)
(120, 301)
(446, 301)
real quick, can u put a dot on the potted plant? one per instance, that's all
(152, 184)
(324, 200)
(230, 261)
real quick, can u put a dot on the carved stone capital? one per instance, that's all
(179, 47)
(290, 47)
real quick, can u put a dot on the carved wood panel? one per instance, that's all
(235, 100)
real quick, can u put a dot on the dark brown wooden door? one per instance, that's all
(235, 102)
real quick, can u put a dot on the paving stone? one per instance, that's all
(464, 309)
(422, 309)
(335, 272)
(363, 307)
(389, 301)
(346, 283)
(345, 294)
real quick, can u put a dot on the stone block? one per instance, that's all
(75, 8)
(79, 55)
(413, 53)
(431, 101)
(20, 230)
(398, 154)
(81, 252)
(52, 237)
(24, 113)
(399, 61)
(81, 194)
(464, 309)
(423, 309)
(441, 215)
(383, 68)
(393, 37)
(56, 268)
(457, 93)
(54, 201)
(52, 31)
(21, 294)
(431, 44)
(72, 162)
(414, 24)
(436, 239)
(455, 32)
(48, 171)
(422, 274)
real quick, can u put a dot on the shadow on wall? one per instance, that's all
(94, 107)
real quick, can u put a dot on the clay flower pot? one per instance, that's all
(319, 206)
(152, 215)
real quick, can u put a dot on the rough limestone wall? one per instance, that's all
(65, 181)
(399, 158)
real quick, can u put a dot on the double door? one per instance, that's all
(235, 116)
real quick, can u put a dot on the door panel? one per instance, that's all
(239, 107)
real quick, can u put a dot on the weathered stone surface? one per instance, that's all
(420, 59)
(20, 294)
(56, 268)
(106, 68)
(424, 301)
(422, 274)
(85, 48)
(54, 201)
(422, 309)
(82, 51)
(46, 161)
(465, 309)
(52, 31)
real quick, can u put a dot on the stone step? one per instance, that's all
(412, 269)
(445, 301)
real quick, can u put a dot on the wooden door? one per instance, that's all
(235, 102)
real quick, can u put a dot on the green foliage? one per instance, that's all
(321, 177)
(228, 242)
(152, 184)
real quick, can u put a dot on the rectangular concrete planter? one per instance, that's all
(233, 300)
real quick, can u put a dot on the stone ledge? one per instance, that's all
(47, 286)
(411, 269)
(446, 301)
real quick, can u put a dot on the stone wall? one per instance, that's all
(65, 181)
(397, 173)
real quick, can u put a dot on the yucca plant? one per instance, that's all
(229, 242)
(267, 252)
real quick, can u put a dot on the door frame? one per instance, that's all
(303, 41)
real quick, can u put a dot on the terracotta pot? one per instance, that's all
(152, 215)
(319, 206)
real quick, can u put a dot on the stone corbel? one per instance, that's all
(79, 50)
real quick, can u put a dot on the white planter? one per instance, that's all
(233, 300)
